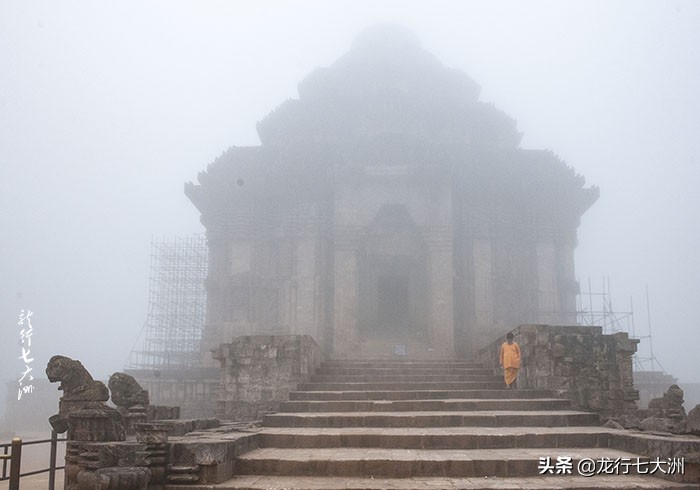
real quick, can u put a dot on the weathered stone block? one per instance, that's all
(259, 371)
(125, 478)
(152, 433)
(558, 350)
(656, 424)
(96, 425)
(116, 453)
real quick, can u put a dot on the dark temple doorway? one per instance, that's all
(392, 292)
(393, 303)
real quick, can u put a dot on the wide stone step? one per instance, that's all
(436, 437)
(419, 394)
(416, 385)
(493, 418)
(400, 364)
(400, 370)
(404, 463)
(405, 378)
(557, 482)
(425, 405)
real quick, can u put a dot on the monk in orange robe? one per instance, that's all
(510, 360)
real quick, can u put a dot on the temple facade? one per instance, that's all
(387, 211)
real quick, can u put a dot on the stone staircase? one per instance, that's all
(388, 424)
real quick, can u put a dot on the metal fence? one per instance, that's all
(12, 452)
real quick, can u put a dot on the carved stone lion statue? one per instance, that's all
(126, 391)
(76, 382)
(80, 390)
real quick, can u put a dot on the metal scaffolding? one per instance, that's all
(596, 308)
(170, 337)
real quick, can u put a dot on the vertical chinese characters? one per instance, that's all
(25, 336)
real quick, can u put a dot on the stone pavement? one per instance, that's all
(256, 482)
(388, 424)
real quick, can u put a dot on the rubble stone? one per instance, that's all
(693, 421)
(666, 413)
(611, 424)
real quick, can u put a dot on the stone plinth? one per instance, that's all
(115, 478)
(96, 425)
(259, 371)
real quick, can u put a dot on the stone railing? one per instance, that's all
(591, 368)
(259, 371)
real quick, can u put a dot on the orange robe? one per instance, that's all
(510, 360)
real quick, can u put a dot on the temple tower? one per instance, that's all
(388, 209)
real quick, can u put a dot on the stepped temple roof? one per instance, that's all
(389, 103)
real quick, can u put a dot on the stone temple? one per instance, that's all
(365, 262)
(388, 210)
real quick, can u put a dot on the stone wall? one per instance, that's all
(259, 371)
(592, 368)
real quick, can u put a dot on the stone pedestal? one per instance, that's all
(96, 425)
(84, 427)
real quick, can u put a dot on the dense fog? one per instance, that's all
(107, 109)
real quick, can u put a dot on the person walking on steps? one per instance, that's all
(509, 359)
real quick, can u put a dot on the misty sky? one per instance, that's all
(106, 109)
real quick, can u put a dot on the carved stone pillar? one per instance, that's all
(304, 314)
(483, 291)
(547, 289)
(441, 316)
(155, 437)
(345, 303)
(135, 415)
